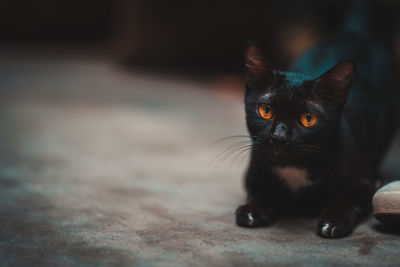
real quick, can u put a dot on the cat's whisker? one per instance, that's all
(313, 149)
(231, 149)
(240, 152)
(246, 155)
(233, 137)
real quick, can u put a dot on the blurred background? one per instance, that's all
(110, 117)
(184, 34)
(187, 37)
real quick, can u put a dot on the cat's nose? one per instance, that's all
(280, 133)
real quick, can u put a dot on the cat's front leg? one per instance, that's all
(260, 207)
(255, 213)
(340, 217)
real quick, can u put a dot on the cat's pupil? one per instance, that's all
(309, 117)
(267, 109)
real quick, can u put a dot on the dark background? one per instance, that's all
(184, 34)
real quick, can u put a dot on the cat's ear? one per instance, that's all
(257, 70)
(335, 83)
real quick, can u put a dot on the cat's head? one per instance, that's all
(292, 114)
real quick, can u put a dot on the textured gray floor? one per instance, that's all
(100, 166)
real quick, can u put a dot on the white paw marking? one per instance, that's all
(251, 219)
(333, 231)
(294, 178)
(324, 230)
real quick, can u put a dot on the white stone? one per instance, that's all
(386, 200)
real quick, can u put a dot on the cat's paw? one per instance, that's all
(250, 216)
(335, 227)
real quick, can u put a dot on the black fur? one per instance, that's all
(341, 153)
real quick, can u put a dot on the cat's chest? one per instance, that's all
(293, 177)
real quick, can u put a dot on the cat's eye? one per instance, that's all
(265, 110)
(308, 119)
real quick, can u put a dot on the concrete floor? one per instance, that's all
(99, 166)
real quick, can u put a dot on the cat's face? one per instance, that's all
(291, 114)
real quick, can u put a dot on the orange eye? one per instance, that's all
(265, 111)
(308, 119)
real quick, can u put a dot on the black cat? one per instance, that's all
(318, 139)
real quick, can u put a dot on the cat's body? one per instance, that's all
(318, 138)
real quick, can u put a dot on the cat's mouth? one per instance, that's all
(280, 151)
